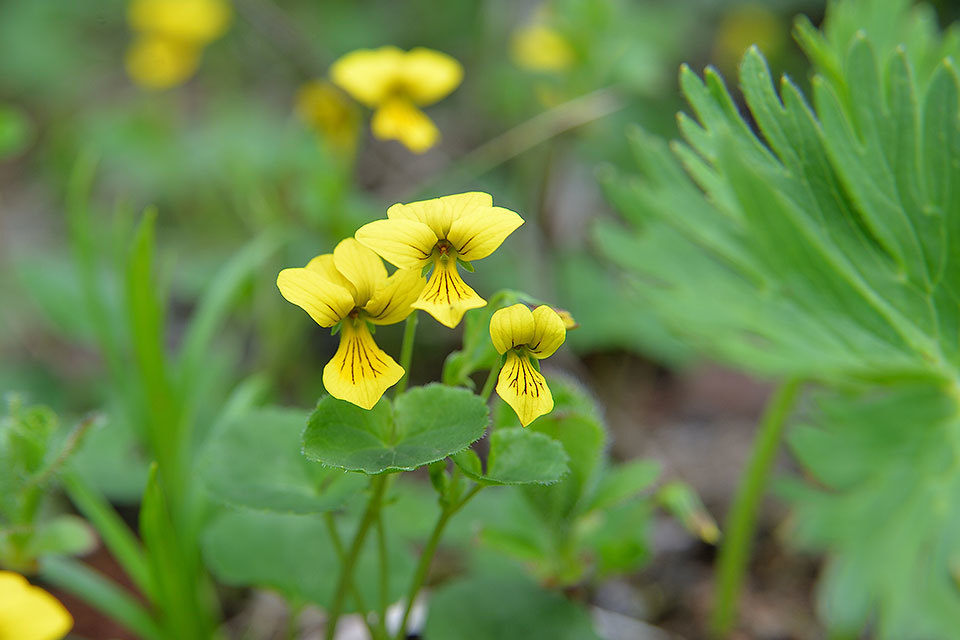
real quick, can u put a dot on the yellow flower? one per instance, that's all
(437, 233)
(351, 287)
(154, 62)
(329, 112)
(541, 48)
(170, 38)
(28, 612)
(187, 21)
(394, 83)
(521, 333)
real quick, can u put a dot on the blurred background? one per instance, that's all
(242, 139)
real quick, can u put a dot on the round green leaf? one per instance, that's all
(294, 555)
(517, 456)
(254, 461)
(426, 424)
(506, 607)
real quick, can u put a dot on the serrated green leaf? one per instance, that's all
(507, 608)
(253, 460)
(425, 425)
(887, 466)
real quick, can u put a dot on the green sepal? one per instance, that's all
(426, 269)
(465, 264)
(335, 329)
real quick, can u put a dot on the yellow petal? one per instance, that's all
(369, 75)
(446, 296)
(362, 267)
(392, 302)
(360, 371)
(524, 388)
(511, 327)
(154, 62)
(429, 75)
(541, 48)
(28, 612)
(324, 265)
(399, 119)
(191, 21)
(478, 232)
(326, 302)
(549, 332)
(439, 213)
(406, 244)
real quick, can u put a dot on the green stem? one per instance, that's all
(742, 518)
(426, 557)
(384, 577)
(377, 486)
(406, 349)
(338, 548)
(490, 383)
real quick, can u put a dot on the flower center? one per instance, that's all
(445, 249)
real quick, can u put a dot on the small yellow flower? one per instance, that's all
(197, 22)
(437, 233)
(395, 83)
(330, 113)
(160, 63)
(351, 287)
(521, 333)
(541, 48)
(170, 38)
(28, 612)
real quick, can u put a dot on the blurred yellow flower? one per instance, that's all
(395, 83)
(521, 334)
(330, 113)
(192, 21)
(170, 38)
(160, 63)
(743, 26)
(437, 234)
(350, 287)
(28, 612)
(541, 48)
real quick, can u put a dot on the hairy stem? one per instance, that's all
(742, 518)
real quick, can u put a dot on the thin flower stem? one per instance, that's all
(384, 577)
(426, 557)
(377, 486)
(490, 383)
(742, 518)
(406, 349)
(338, 548)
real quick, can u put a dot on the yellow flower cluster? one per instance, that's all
(395, 84)
(28, 612)
(350, 289)
(170, 36)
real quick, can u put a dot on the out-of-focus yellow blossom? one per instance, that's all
(437, 234)
(521, 334)
(395, 84)
(541, 48)
(330, 113)
(170, 38)
(195, 21)
(28, 612)
(350, 287)
(160, 63)
(743, 26)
